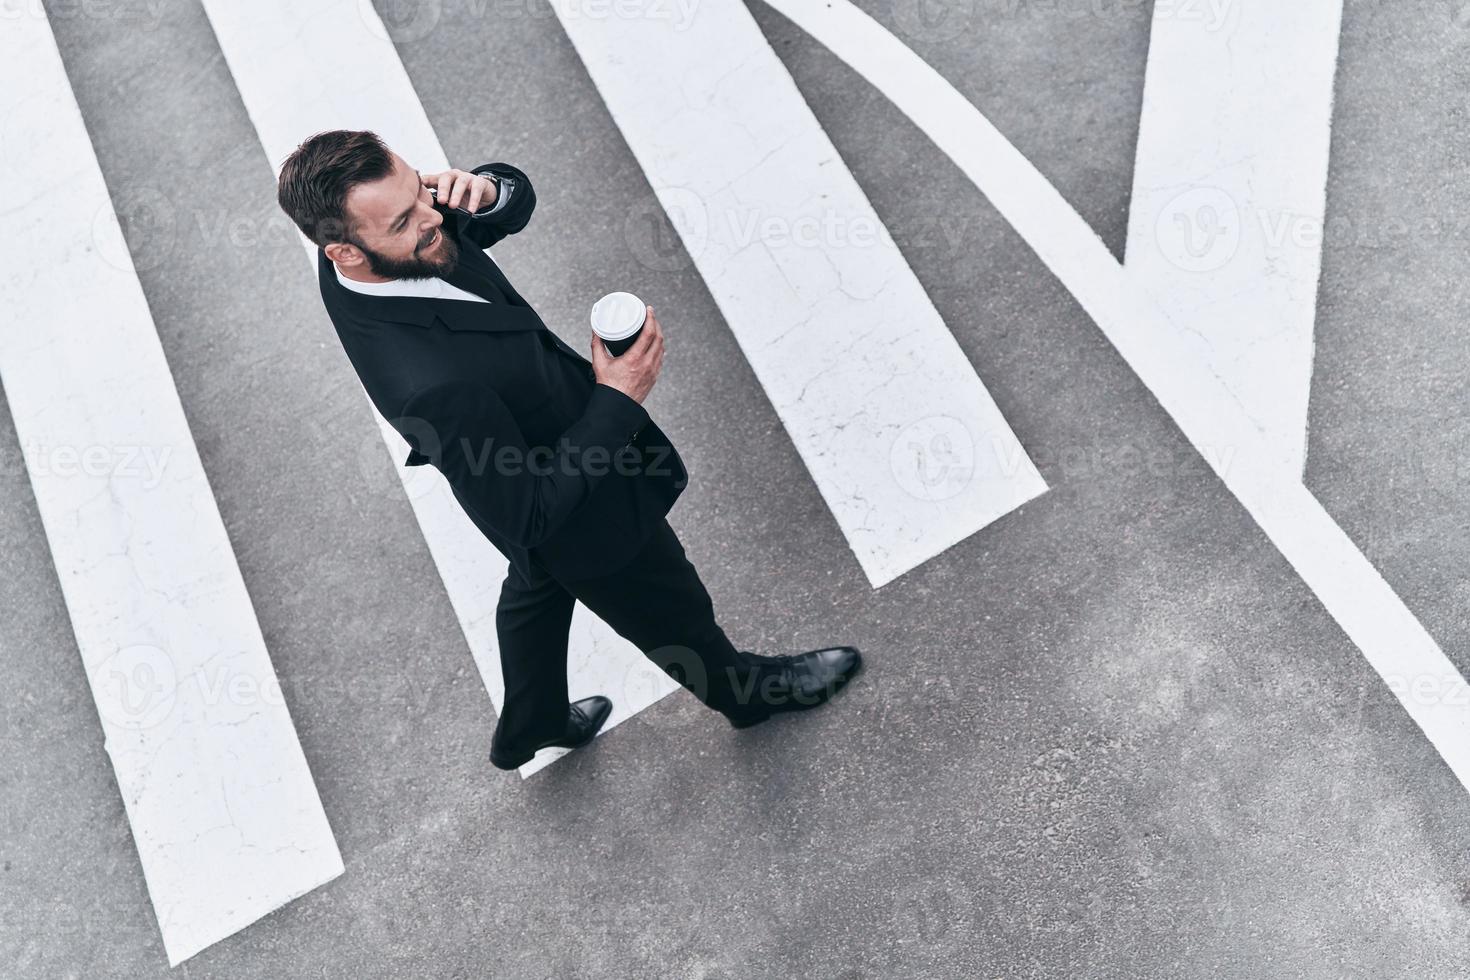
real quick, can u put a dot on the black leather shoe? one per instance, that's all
(584, 718)
(803, 681)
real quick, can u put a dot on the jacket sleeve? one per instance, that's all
(468, 434)
(487, 229)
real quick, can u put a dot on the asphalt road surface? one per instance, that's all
(1111, 735)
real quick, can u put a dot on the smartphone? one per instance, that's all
(434, 193)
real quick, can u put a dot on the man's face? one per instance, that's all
(397, 228)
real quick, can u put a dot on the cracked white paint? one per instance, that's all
(901, 438)
(1229, 195)
(336, 69)
(225, 816)
(1176, 366)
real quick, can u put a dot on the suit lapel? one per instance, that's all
(481, 268)
(507, 311)
(473, 282)
(483, 278)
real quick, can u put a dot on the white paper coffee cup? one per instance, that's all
(617, 318)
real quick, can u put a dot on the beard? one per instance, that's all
(425, 263)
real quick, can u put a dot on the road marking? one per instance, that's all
(1174, 365)
(334, 67)
(901, 438)
(224, 813)
(1229, 195)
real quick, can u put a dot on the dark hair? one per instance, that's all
(316, 177)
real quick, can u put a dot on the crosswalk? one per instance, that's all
(1176, 362)
(1229, 195)
(894, 425)
(224, 812)
(897, 430)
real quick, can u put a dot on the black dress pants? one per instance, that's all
(656, 601)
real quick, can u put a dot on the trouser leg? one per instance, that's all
(531, 623)
(658, 603)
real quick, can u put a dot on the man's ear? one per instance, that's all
(342, 253)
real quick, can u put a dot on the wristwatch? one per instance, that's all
(503, 187)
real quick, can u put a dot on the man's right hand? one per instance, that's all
(636, 370)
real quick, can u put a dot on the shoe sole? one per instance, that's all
(503, 764)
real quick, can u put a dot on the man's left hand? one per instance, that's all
(461, 189)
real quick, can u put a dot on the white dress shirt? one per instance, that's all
(433, 287)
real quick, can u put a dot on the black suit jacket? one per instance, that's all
(556, 470)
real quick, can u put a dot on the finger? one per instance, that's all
(443, 182)
(479, 185)
(599, 353)
(462, 184)
(645, 338)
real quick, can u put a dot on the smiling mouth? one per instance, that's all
(432, 241)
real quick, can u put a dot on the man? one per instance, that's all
(552, 456)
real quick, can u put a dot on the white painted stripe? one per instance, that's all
(334, 68)
(1174, 365)
(223, 810)
(1229, 194)
(900, 435)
